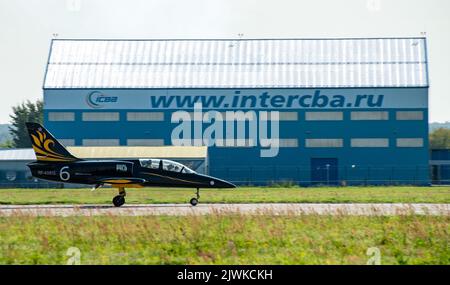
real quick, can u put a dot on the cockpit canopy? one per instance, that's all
(165, 164)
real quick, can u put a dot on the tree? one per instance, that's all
(440, 138)
(7, 144)
(22, 113)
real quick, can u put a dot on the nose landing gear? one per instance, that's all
(119, 200)
(194, 201)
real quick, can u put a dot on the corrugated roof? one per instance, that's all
(258, 63)
(169, 152)
(17, 154)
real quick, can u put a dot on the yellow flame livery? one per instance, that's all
(47, 148)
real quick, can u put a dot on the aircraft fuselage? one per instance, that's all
(122, 172)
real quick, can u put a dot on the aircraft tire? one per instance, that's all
(194, 201)
(118, 201)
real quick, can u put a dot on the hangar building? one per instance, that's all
(346, 111)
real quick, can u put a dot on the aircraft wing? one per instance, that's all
(122, 180)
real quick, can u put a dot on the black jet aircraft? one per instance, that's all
(55, 163)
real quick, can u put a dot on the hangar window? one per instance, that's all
(369, 142)
(324, 116)
(101, 142)
(324, 143)
(281, 142)
(288, 142)
(369, 115)
(145, 142)
(410, 142)
(145, 116)
(285, 116)
(67, 142)
(100, 116)
(61, 116)
(243, 116)
(236, 143)
(409, 115)
(226, 116)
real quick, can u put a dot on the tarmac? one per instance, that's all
(226, 209)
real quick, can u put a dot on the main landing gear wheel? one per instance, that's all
(119, 200)
(194, 201)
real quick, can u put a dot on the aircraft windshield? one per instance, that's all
(167, 165)
(150, 163)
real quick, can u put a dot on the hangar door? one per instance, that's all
(324, 171)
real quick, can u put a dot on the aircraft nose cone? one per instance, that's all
(216, 182)
(230, 185)
(222, 184)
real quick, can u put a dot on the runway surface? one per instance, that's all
(210, 209)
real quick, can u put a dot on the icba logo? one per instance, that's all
(98, 100)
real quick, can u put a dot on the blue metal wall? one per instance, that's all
(387, 165)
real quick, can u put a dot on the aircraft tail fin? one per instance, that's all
(45, 146)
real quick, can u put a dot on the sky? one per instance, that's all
(27, 27)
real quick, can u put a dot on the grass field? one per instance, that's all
(227, 239)
(238, 195)
(220, 239)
